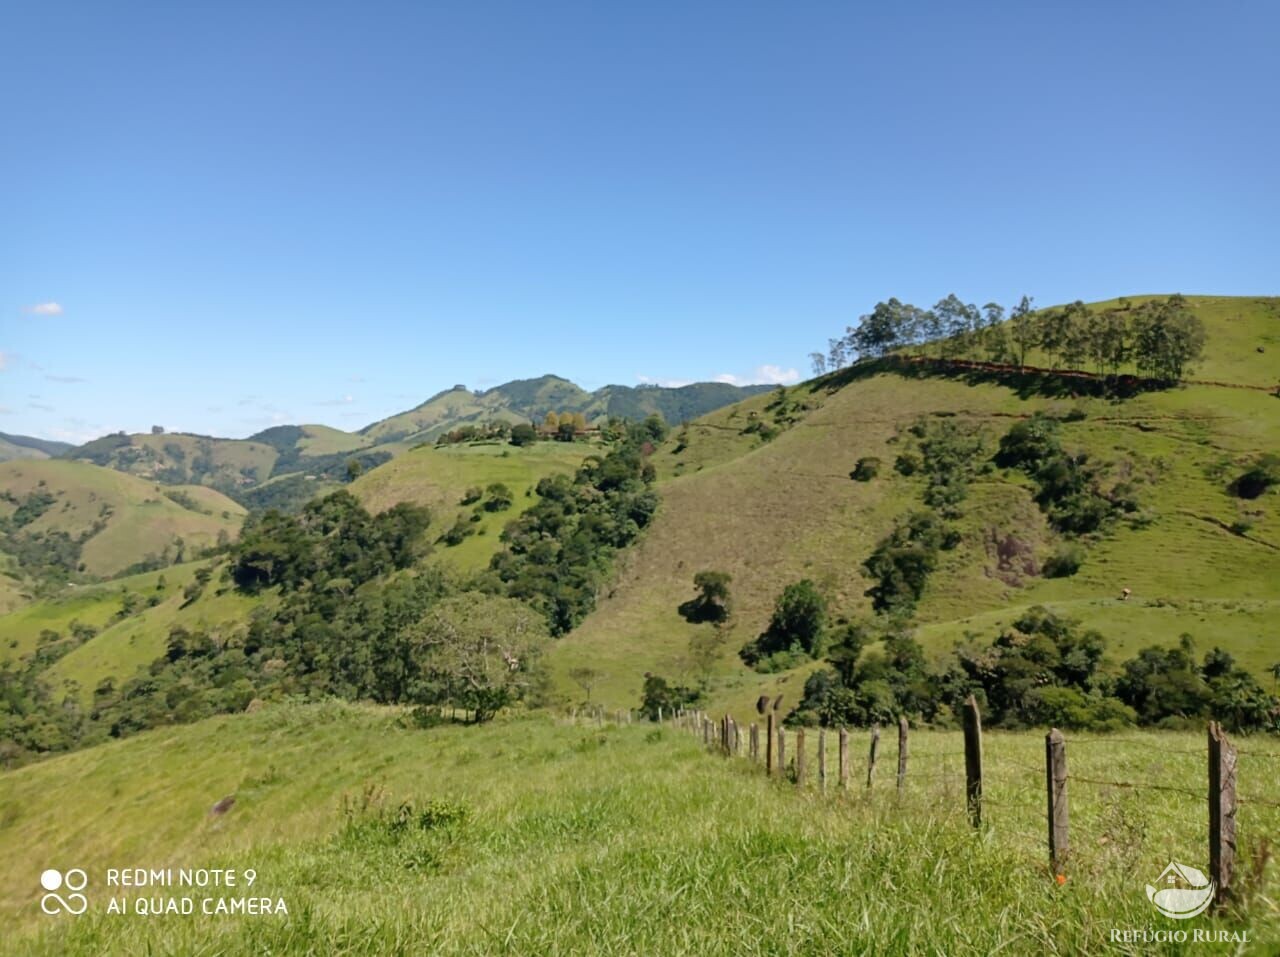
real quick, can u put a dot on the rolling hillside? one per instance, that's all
(762, 490)
(321, 453)
(439, 477)
(26, 447)
(177, 458)
(114, 519)
(770, 513)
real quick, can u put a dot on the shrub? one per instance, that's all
(866, 469)
(659, 693)
(795, 631)
(908, 463)
(1065, 562)
(523, 434)
(1074, 710)
(712, 602)
(903, 561)
(1264, 473)
(459, 531)
(500, 498)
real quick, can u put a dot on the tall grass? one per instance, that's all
(536, 837)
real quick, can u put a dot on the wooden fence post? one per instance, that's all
(902, 754)
(770, 742)
(871, 754)
(706, 731)
(782, 749)
(1222, 813)
(800, 761)
(753, 738)
(822, 758)
(973, 760)
(1055, 775)
(844, 759)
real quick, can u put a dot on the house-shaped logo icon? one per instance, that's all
(1181, 891)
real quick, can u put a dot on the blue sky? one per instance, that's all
(224, 216)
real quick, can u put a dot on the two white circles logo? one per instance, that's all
(72, 881)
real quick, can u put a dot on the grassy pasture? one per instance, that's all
(610, 841)
(139, 518)
(773, 512)
(439, 476)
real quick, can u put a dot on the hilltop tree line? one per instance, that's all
(1160, 338)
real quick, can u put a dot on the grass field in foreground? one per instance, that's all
(631, 840)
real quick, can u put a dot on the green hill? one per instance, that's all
(26, 447)
(763, 490)
(769, 513)
(176, 458)
(534, 836)
(531, 399)
(296, 456)
(99, 521)
(440, 476)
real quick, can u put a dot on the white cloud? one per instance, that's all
(77, 431)
(761, 375)
(44, 309)
(665, 383)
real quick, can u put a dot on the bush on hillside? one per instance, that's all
(797, 627)
(1260, 476)
(902, 562)
(866, 469)
(1064, 562)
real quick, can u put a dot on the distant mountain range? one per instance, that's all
(524, 399)
(320, 452)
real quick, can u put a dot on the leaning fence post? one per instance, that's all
(800, 761)
(1222, 812)
(973, 760)
(871, 754)
(844, 759)
(1055, 774)
(770, 742)
(902, 754)
(822, 758)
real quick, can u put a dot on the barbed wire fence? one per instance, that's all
(785, 754)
